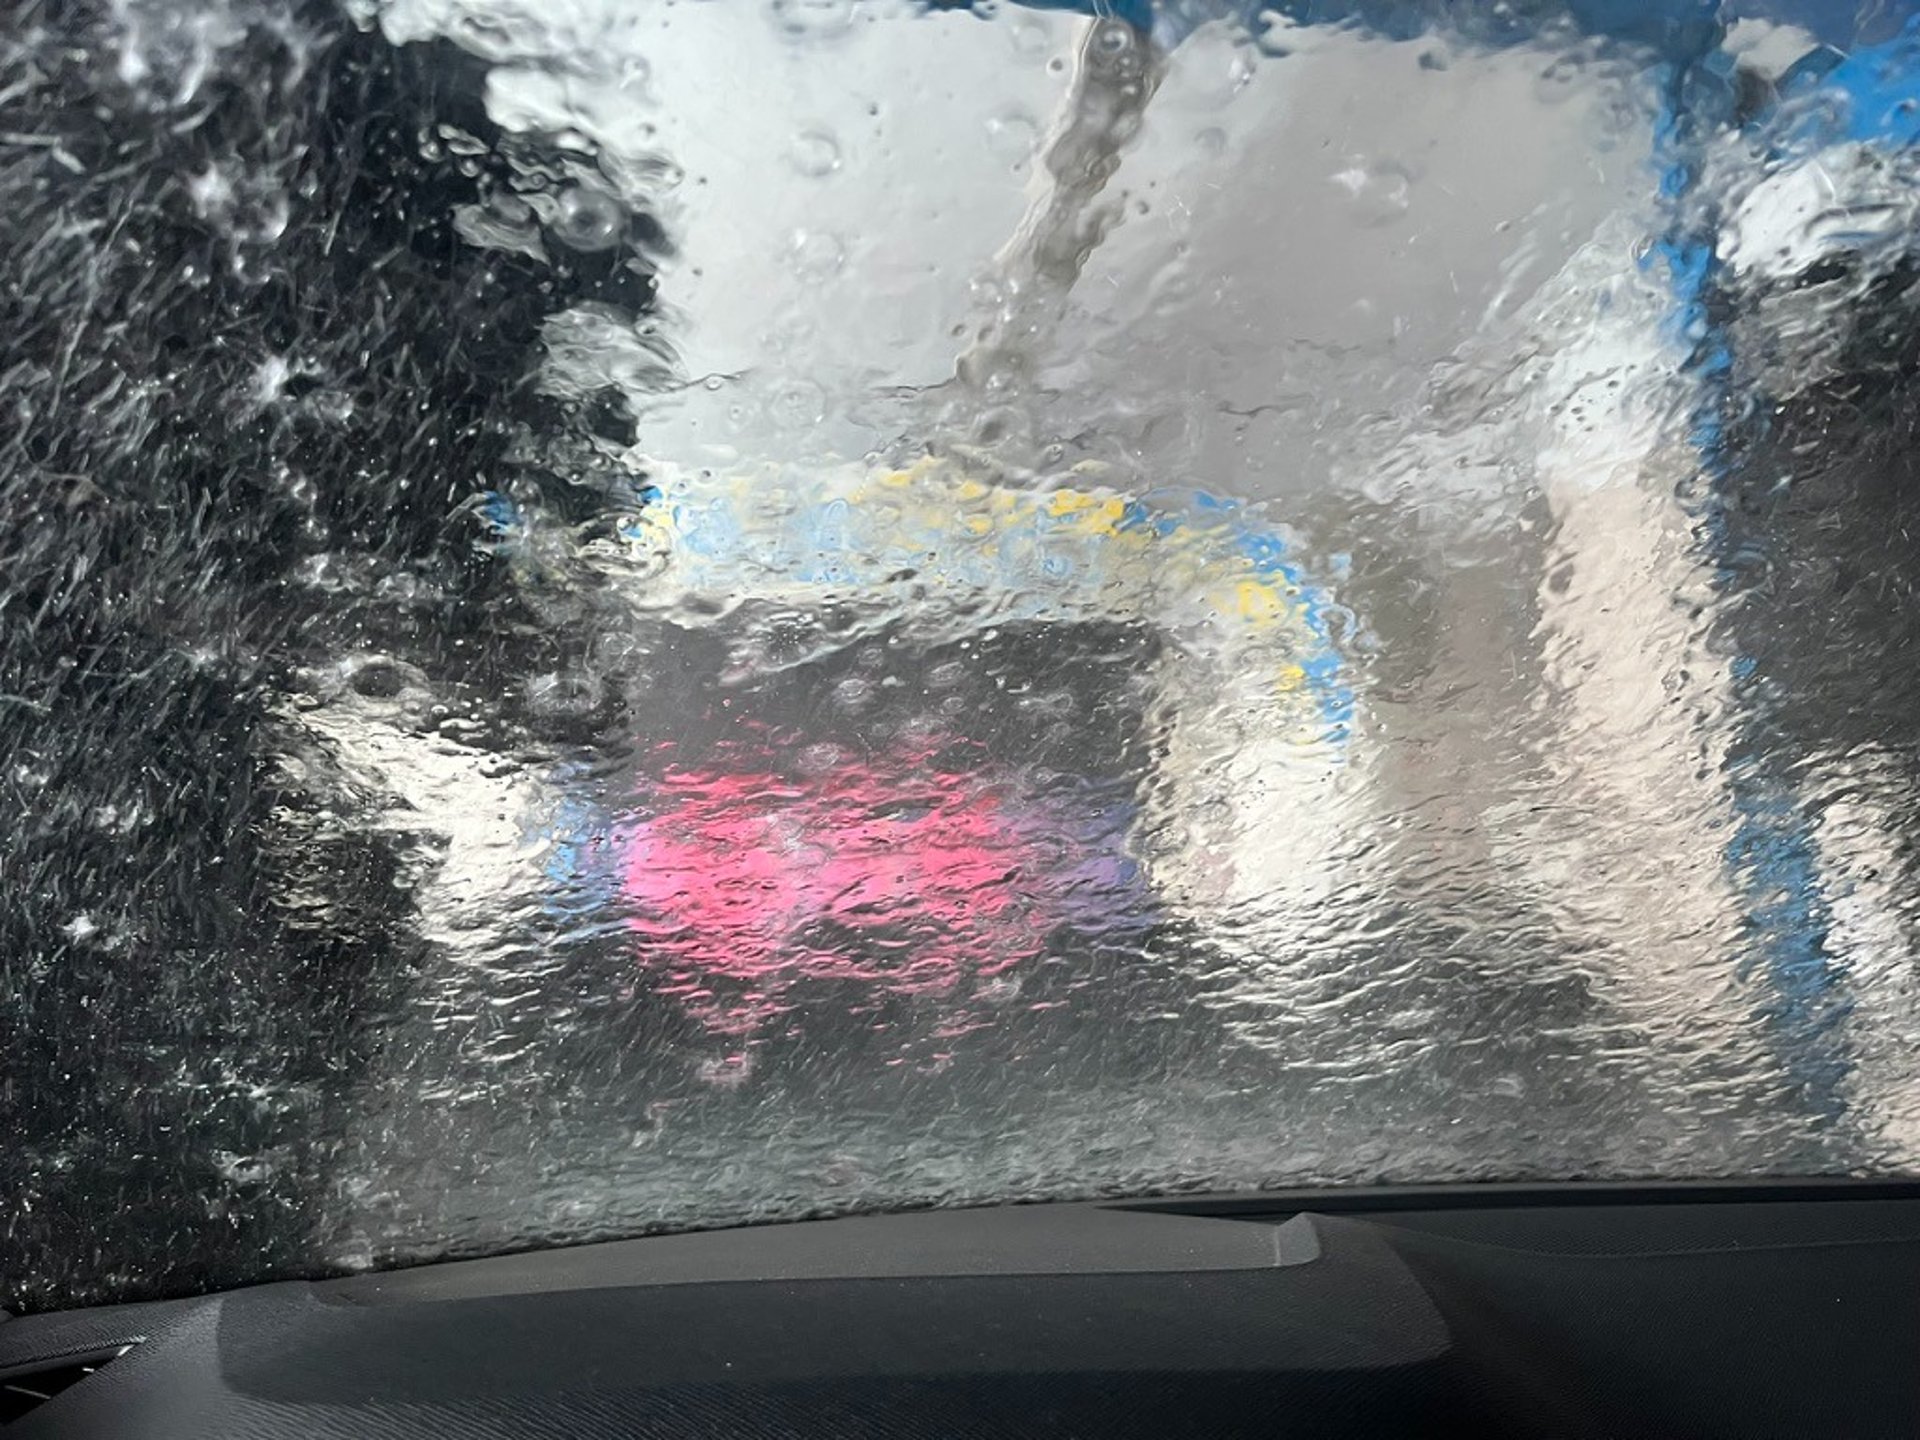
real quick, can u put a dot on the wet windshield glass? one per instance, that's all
(624, 615)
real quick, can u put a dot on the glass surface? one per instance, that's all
(622, 616)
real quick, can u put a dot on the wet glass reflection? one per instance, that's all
(630, 616)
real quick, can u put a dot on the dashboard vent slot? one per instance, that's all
(27, 1388)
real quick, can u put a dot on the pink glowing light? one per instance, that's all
(884, 869)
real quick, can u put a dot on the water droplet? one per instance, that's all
(565, 694)
(814, 153)
(491, 37)
(820, 759)
(813, 19)
(1028, 37)
(946, 675)
(1378, 192)
(853, 693)
(381, 679)
(1565, 78)
(459, 142)
(799, 402)
(817, 254)
(588, 219)
(1012, 134)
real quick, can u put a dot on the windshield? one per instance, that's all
(623, 615)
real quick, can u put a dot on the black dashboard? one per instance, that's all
(1771, 1309)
